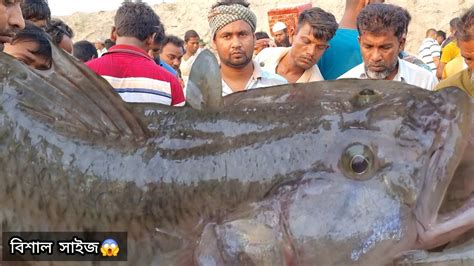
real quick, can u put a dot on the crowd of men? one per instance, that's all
(143, 64)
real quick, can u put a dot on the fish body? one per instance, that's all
(333, 173)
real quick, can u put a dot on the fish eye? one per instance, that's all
(357, 162)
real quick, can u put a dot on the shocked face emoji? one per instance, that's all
(109, 248)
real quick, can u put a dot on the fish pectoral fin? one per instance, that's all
(449, 227)
(204, 87)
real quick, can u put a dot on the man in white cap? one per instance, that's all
(280, 34)
(100, 46)
(233, 27)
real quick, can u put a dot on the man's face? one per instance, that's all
(26, 51)
(172, 54)
(66, 44)
(467, 51)
(380, 53)
(192, 45)
(235, 43)
(281, 38)
(439, 39)
(99, 45)
(11, 19)
(154, 50)
(307, 50)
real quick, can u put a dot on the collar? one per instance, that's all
(255, 78)
(257, 71)
(128, 48)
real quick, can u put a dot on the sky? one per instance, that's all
(63, 7)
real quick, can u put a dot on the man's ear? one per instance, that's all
(291, 34)
(403, 41)
(150, 40)
(113, 34)
(213, 44)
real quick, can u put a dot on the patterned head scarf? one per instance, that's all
(222, 15)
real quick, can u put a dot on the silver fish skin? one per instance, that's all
(282, 175)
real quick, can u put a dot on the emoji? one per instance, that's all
(109, 248)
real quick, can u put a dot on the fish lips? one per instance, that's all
(454, 109)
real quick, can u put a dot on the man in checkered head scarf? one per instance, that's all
(233, 26)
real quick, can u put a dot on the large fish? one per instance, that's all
(328, 173)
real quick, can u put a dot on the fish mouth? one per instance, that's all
(446, 154)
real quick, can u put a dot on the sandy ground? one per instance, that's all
(192, 14)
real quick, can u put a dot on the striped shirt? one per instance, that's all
(136, 77)
(428, 50)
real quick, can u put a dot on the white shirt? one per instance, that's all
(101, 52)
(407, 72)
(259, 79)
(269, 58)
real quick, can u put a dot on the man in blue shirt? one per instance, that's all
(344, 51)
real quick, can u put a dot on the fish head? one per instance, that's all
(382, 156)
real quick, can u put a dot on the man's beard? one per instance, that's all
(243, 62)
(381, 75)
(284, 43)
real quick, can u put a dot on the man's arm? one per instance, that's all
(439, 71)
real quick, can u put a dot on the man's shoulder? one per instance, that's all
(413, 68)
(270, 52)
(461, 80)
(353, 73)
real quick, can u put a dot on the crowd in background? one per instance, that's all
(143, 64)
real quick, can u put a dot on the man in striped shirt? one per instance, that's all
(430, 50)
(128, 67)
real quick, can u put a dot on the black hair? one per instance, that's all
(84, 51)
(190, 34)
(465, 27)
(108, 43)
(33, 33)
(261, 35)
(56, 28)
(379, 18)
(35, 10)
(441, 33)
(323, 23)
(174, 40)
(138, 20)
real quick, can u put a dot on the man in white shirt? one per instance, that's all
(297, 63)
(233, 27)
(430, 50)
(381, 35)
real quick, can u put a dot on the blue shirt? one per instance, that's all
(342, 55)
(166, 66)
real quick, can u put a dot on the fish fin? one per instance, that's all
(70, 98)
(204, 88)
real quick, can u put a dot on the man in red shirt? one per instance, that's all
(128, 67)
